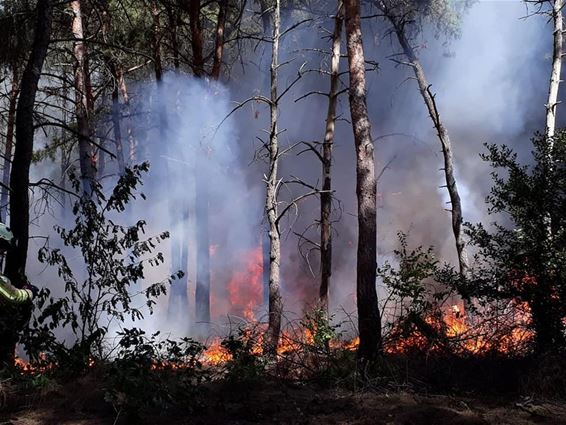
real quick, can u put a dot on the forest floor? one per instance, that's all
(81, 402)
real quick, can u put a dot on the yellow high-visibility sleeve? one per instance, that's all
(11, 294)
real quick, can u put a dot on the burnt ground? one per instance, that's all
(82, 403)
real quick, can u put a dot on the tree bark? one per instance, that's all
(196, 37)
(202, 291)
(219, 42)
(83, 102)
(555, 74)
(271, 207)
(428, 97)
(9, 143)
(326, 195)
(116, 117)
(19, 177)
(156, 43)
(369, 320)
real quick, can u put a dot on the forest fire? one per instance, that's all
(245, 288)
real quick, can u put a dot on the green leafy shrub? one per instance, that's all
(150, 373)
(98, 285)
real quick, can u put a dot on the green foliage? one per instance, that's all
(416, 283)
(98, 286)
(522, 257)
(149, 373)
(418, 286)
(321, 329)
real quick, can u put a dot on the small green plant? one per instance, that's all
(98, 285)
(320, 329)
(418, 287)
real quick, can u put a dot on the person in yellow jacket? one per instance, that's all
(8, 292)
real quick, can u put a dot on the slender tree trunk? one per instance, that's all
(9, 143)
(116, 118)
(19, 178)
(83, 102)
(156, 43)
(428, 97)
(202, 290)
(116, 72)
(555, 75)
(173, 16)
(326, 195)
(271, 209)
(219, 43)
(369, 320)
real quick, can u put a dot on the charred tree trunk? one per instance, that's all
(83, 102)
(555, 74)
(9, 143)
(271, 207)
(428, 97)
(19, 178)
(369, 320)
(326, 195)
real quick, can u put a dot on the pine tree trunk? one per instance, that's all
(83, 102)
(555, 75)
(219, 41)
(196, 37)
(9, 143)
(202, 292)
(19, 177)
(117, 120)
(326, 195)
(369, 320)
(271, 208)
(424, 88)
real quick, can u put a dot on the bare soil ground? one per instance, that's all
(82, 403)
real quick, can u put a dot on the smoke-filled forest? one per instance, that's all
(282, 211)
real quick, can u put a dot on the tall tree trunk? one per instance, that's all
(19, 178)
(369, 320)
(219, 42)
(271, 208)
(156, 43)
(83, 102)
(116, 72)
(196, 37)
(326, 195)
(173, 17)
(117, 117)
(202, 290)
(9, 143)
(428, 97)
(555, 74)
